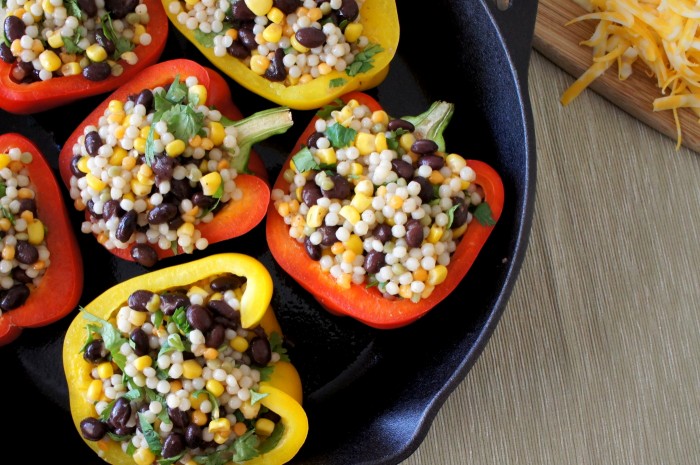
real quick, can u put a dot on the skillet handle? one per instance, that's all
(516, 22)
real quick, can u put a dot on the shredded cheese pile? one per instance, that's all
(662, 33)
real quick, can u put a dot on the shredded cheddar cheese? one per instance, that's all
(662, 33)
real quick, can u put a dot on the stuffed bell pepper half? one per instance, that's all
(374, 217)
(186, 365)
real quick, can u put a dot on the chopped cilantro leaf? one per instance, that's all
(256, 397)
(184, 122)
(337, 82)
(71, 44)
(207, 38)
(273, 439)
(304, 161)
(326, 110)
(340, 136)
(73, 9)
(277, 345)
(451, 216)
(3, 188)
(364, 60)
(152, 438)
(483, 214)
(245, 447)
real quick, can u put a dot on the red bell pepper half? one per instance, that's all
(236, 217)
(363, 303)
(62, 284)
(44, 95)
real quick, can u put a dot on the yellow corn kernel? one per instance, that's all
(350, 213)
(8, 252)
(185, 229)
(210, 353)
(436, 177)
(217, 133)
(94, 182)
(35, 231)
(142, 362)
(140, 145)
(315, 215)
(455, 162)
(239, 428)
(116, 117)
(175, 148)
(71, 69)
(196, 290)
(47, 6)
(210, 183)
(239, 344)
(220, 425)
(232, 33)
(435, 234)
(55, 40)
(353, 244)
(138, 188)
(191, 2)
(115, 105)
(138, 30)
(145, 130)
(337, 248)
(264, 426)
(119, 132)
(405, 291)
(191, 369)
(221, 438)
(361, 202)
(143, 456)
(324, 68)
(250, 411)
(138, 318)
(94, 390)
(259, 7)
(275, 15)
(272, 33)
(406, 141)
(297, 46)
(380, 117)
(259, 64)
(365, 143)
(305, 78)
(380, 142)
(117, 156)
(353, 32)
(38, 47)
(207, 144)
(16, 47)
(197, 93)
(327, 156)
(437, 275)
(199, 418)
(96, 53)
(128, 163)
(458, 232)
(50, 61)
(105, 370)
(395, 202)
(365, 187)
(82, 165)
(215, 387)
(4, 160)
(344, 281)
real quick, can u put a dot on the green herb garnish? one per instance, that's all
(121, 44)
(326, 110)
(364, 60)
(340, 136)
(484, 215)
(337, 82)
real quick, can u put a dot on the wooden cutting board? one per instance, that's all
(635, 95)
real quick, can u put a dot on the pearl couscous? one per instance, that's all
(376, 205)
(44, 39)
(176, 378)
(287, 41)
(25, 256)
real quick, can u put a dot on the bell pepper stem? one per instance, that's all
(432, 123)
(258, 127)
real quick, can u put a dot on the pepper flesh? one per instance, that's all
(236, 217)
(380, 24)
(360, 302)
(44, 95)
(64, 277)
(282, 389)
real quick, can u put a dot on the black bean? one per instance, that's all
(461, 213)
(193, 436)
(27, 205)
(6, 53)
(93, 142)
(120, 8)
(382, 232)
(106, 43)
(97, 71)
(163, 167)
(241, 12)
(312, 250)
(226, 282)
(220, 307)
(328, 234)
(180, 188)
(20, 275)
(310, 193)
(74, 167)
(126, 226)
(204, 202)
(93, 429)
(174, 444)
(310, 37)
(171, 301)
(14, 28)
(90, 206)
(341, 188)
(374, 261)
(199, 317)
(162, 213)
(146, 99)
(427, 192)
(180, 418)
(140, 339)
(247, 38)
(260, 351)
(215, 337)
(121, 412)
(287, 6)
(175, 223)
(111, 208)
(123, 430)
(14, 297)
(398, 123)
(276, 71)
(95, 351)
(144, 255)
(26, 253)
(436, 162)
(414, 233)
(139, 300)
(349, 10)
(89, 7)
(238, 50)
(313, 139)
(424, 146)
(403, 168)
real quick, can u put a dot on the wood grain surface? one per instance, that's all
(635, 95)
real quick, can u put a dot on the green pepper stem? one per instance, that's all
(432, 123)
(258, 127)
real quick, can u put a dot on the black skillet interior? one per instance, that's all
(371, 395)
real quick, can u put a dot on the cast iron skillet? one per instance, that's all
(371, 395)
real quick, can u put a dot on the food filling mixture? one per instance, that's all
(155, 167)
(175, 377)
(375, 205)
(25, 256)
(287, 41)
(50, 38)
